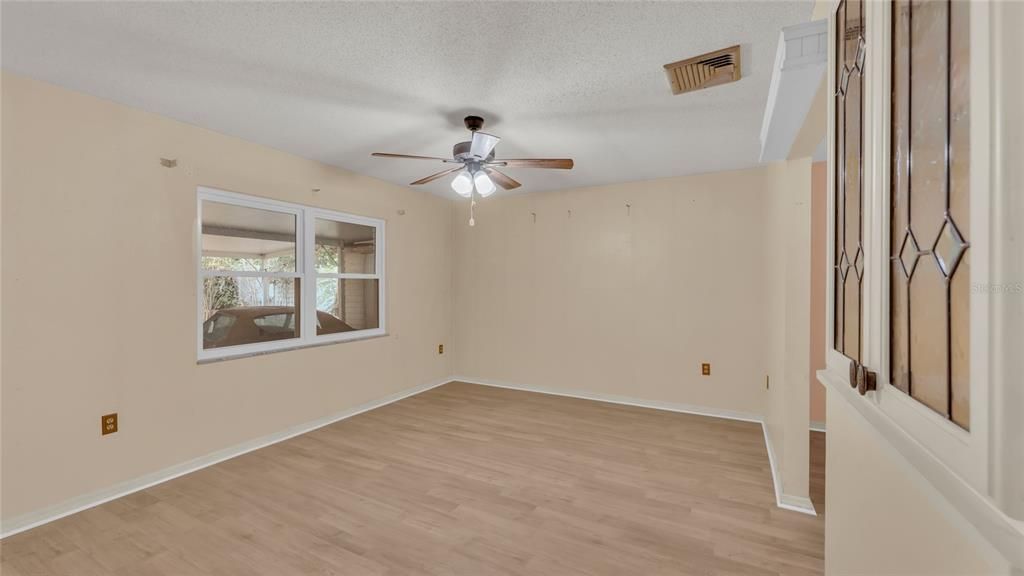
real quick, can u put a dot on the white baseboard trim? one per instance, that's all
(817, 426)
(785, 501)
(613, 399)
(93, 499)
(797, 504)
(86, 501)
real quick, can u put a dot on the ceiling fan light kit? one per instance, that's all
(484, 185)
(478, 172)
(463, 184)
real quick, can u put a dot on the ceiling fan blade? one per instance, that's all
(482, 144)
(560, 163)
(433, 177)
(502, 179)
(387, 155)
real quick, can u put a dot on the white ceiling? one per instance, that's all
(336, 81)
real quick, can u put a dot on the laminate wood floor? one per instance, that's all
(462, 479)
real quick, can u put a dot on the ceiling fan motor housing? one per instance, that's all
(461, 153)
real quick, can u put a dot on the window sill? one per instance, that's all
(250, 354)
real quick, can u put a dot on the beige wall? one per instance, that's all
(99, 301)
(819, 272)
(883, 516)
(600, 298)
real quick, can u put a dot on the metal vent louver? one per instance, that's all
(711, 69)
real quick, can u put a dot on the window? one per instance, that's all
(261, 260)
(849, 253)
(934, 362)
(929, 288)
(346, 282)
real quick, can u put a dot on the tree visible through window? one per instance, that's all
(256, 263)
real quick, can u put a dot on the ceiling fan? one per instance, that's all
(476, 166)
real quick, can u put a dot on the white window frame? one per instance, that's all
(969, 468)
(305, 272)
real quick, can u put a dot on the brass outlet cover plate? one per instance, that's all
(108, 424)
(440, 348)
(705, 369)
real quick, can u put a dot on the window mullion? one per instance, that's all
(308, 306)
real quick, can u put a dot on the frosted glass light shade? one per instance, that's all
(463, 184)
(484, 185)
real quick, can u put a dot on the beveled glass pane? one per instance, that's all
(928, 123)
(248, 310)
(347, 304)
(240, 238)
(899, 319)
(949, 248)
(928, 332)
(960, 119)
(959, 209)
(900, 132)
(851, 324)
(840, 187)
(909, 255)
(852, 201)
(930, 92)
(853, 167)
(852, 33)
(343, 247)
(838, 183)
(838, 315)
(960, 342)
(840, 42)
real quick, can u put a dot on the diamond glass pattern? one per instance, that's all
(949, 247)
(909, 253)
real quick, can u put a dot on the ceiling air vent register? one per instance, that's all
(705, 71)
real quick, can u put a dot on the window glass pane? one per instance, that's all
(246, 310)
(851, 324)
(900, 127)
(899, 318)
(928, 65)
(239, 238)
(930, 282)
(899, 313)
(928, 325)
(959, 209)
(852, 193)
(960, 342)
(347, 304)
(345, 248)
(840, 299)
(853, 32)
(849, 255)
(960, 117)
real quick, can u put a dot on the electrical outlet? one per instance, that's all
(440, 348)
(705, 369)
(108, 424)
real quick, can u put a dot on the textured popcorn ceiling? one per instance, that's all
(336, 81)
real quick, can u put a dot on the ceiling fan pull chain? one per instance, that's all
(472, 208)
